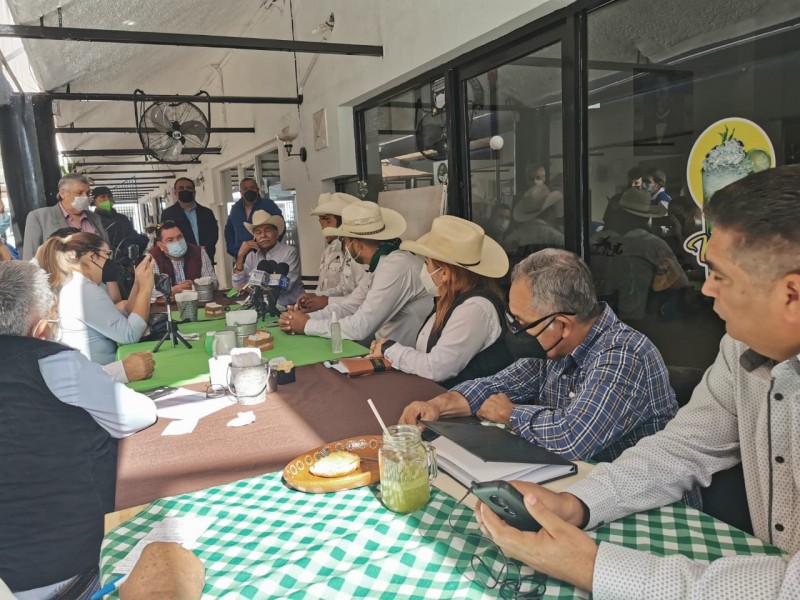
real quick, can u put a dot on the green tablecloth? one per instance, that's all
(180, 366)
(269, 541)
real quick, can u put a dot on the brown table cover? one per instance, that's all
(322, 406)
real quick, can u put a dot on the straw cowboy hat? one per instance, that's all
(458, 242)
(332, 204)
(366, 220)
(535, 202)
(262, 217)
(638, 202)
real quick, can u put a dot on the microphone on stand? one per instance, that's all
(278, 283)
(257, 282)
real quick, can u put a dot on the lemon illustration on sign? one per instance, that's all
(760, 159)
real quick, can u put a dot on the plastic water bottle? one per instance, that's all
(336, 335)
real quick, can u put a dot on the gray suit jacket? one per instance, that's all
(43, 222)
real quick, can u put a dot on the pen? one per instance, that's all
(107, 588)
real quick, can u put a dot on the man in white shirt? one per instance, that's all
(393, 303)
(59, 417)
(746, 409)
(267, 230)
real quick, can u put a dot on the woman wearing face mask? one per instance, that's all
(78, 265)
(462, 339)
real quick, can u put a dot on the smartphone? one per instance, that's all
(506, 502)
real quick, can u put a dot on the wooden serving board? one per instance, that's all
(298, 476)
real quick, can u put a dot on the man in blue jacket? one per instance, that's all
(242, 212)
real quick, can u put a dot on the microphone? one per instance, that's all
(278, 282)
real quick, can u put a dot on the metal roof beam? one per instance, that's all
(164, 172)
(159, 38)
(131, 178)
(97, 97)
(133, 151)
(126, 163)
(146, 130)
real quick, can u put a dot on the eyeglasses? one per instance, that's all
(516, 327)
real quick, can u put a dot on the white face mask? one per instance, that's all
(427, 280)
(80, 203)
(350, 254)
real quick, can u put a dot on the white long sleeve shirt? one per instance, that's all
(747, 408)
(339, 274)
(473, 327)
(391, 304)
(91, 323)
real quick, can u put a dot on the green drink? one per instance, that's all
(407, 466)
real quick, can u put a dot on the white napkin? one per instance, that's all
(245, 357)
(244, 418)
(185, 296)
(241, 317)
(203, 280)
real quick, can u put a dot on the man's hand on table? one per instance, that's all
(293, 321)
(183, 286)
(496, 408)
(311, 303)
(138, 366)
(560, 549)
(424, 411)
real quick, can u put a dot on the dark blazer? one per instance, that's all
(207, 226)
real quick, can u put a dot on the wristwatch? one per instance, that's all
(386, 345)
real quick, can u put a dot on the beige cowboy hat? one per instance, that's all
(535, 202)
(638, 202)
(262, 217)
(458, 242)
(333, 204)
(366, 220)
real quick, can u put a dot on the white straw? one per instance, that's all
(377, 416)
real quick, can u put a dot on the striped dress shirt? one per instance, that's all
(608, 393)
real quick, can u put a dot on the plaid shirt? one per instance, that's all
(612, 390)
(206, 270)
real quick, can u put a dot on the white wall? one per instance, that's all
(416, 36)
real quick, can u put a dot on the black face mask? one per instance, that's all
(186, 196)
(522, 345)
(110, 271)
(250, 196)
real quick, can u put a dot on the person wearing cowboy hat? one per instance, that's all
(392, 303)
(533, 215)
(462, 339)
(339, 274)
(585, 384)
(266, 230)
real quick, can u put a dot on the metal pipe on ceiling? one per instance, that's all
(133, 151)
(166, 172)
(132, 178)
(126, 163)
(160, 38)
(99, 97)
(146, 130)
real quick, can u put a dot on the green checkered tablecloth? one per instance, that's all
(181, 366)
(268, 541)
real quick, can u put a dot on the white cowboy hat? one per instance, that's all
(638, 202)
(262, 217)
(366, 220)
(458, 242)
(333, 204)
(535, 202)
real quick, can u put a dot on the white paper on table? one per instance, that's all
(181, 427)
(243, 418)
(185, 404)
(183, 530)
(336, 366)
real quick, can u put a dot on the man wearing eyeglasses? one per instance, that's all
(585, 385)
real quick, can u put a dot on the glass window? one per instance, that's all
(515, 152)
(406, 140)
(658, 86)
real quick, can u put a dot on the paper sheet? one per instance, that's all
(183, 530)
(180, 427)
(243, 418)
(184, 404)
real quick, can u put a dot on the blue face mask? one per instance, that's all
(176, 249)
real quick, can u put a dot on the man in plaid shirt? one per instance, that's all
(591, 386)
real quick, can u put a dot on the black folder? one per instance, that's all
(493, 444)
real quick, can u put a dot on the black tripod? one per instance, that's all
(171, 332)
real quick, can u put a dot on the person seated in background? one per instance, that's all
(586, 385)
(119, 229)
(392, 303)
(745, 410)
(242, 212)
(533, 217)
(499, 222)
(463, 338)
(60, 416)
(655, 183)
(339, 274)
(72, 210)
(88, 318)
(266, 230)
(183, 262)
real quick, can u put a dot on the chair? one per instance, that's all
(683, 380)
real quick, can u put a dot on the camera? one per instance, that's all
(163, 284)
